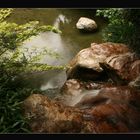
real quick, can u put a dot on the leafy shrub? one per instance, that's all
(12, 36)
(123, 26)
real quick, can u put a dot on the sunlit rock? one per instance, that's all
(85, 65)
(86, 24)
(109, 48)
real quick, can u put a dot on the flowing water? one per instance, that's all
(66, 44)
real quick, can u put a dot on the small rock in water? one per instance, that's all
(86, 24)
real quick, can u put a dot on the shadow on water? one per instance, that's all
(66, 44)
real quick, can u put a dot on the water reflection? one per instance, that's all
(51, 42)
(61, 18)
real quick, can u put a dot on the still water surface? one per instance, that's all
(66, 44)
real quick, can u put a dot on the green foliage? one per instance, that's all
(11, 116)
(13, 62)
(112, 14)
(118, 33)
(11, 97)
(13, 35)
(4, 13)
(123, 26)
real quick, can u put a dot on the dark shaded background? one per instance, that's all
(70, 3)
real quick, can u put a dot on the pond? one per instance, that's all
(66, 45)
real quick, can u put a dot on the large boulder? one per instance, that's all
(126, 66)
(48, 116)
(111, 110)
(85, 65)
(86, 24)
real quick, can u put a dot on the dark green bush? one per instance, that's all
(123, 26)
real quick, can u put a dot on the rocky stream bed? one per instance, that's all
(101, 94)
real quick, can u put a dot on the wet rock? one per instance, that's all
(76, 86)
(114, 117)
(86, 24)
(85, 65)
(72, 87)
(73, 90)
(109, 48)
(88, 102)
(49, 116)
(119, 94)
(126, 66)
